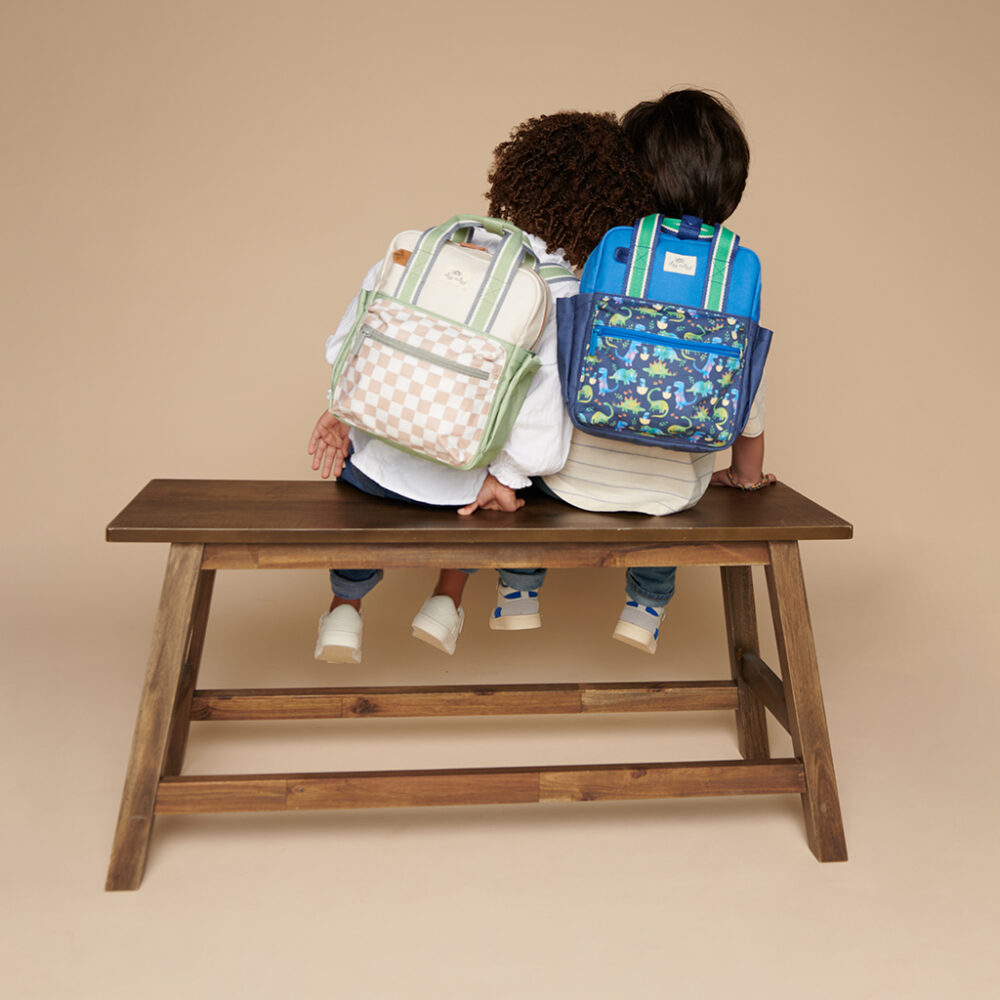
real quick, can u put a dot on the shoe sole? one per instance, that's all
(515, 623)
(338, 654)
(434, 633)
(633, 635)
(432, 640)
(340, 647)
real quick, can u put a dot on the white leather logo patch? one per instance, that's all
(676, 263)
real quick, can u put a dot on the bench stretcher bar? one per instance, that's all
(428, 702)
(486, 786)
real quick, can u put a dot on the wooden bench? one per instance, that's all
(214, 525)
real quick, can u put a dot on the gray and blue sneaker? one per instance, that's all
(516, 609)
(639, 625)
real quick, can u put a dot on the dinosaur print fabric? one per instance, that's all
(661, 371)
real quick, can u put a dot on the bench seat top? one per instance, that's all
(259, 512)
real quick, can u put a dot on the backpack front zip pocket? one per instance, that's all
(676, 343)
(657, 373)
(419, 381)
(420, 353)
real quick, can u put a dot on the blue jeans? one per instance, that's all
(353, 584)
(651, 585)
(645, 584)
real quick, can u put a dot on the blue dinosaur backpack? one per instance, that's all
(662, 346)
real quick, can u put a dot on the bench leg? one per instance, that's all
(161, 689)
(741, 630)
(804, 700)
(189, 676)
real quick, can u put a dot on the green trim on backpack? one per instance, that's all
(637, 280)
(551, 273)
(674, 226)
(723, 250)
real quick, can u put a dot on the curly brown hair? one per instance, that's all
(568, 178)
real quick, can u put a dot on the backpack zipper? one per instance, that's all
(699, 346)
(370, 333)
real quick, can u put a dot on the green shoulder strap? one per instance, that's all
(642, 251)
(551, 274)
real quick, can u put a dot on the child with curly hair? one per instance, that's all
(563, 179)
(696, 156)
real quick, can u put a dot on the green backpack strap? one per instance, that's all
(504, 264)
(552, 274)
(723, 250)
(640, 258)
(641, 253)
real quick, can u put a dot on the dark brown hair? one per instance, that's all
(694, 150)
(568, 178)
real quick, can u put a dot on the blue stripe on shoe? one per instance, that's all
(654, 611)
(644, 616)
(516, 604)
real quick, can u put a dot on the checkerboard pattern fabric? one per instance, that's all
(419, 381)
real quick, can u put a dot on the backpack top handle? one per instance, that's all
(514, 249)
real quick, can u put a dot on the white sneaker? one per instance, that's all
(339, 637)
(639, 626)
(439, 623)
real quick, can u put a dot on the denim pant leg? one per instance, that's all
(353, 584)
(522, 579)
(650, 585)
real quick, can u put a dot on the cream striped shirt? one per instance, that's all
(606, 475)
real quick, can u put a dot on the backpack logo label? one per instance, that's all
(676, 263)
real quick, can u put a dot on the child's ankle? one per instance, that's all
(451, 583)
(338, 601)
(457, 601)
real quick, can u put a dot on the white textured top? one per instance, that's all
(603, 474)
(538, 443)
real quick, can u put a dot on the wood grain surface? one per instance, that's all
(296, 512)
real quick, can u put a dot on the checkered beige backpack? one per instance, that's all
(440, 357)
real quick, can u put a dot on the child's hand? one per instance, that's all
(493, 495)
(329, 445)
(727, 477)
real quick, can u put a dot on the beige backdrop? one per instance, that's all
(191, 192)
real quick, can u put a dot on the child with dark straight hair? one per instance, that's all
(692, 146)
(693, 150)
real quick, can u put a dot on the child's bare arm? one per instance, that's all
(493, 495)
(329, 445)
(747, 467)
